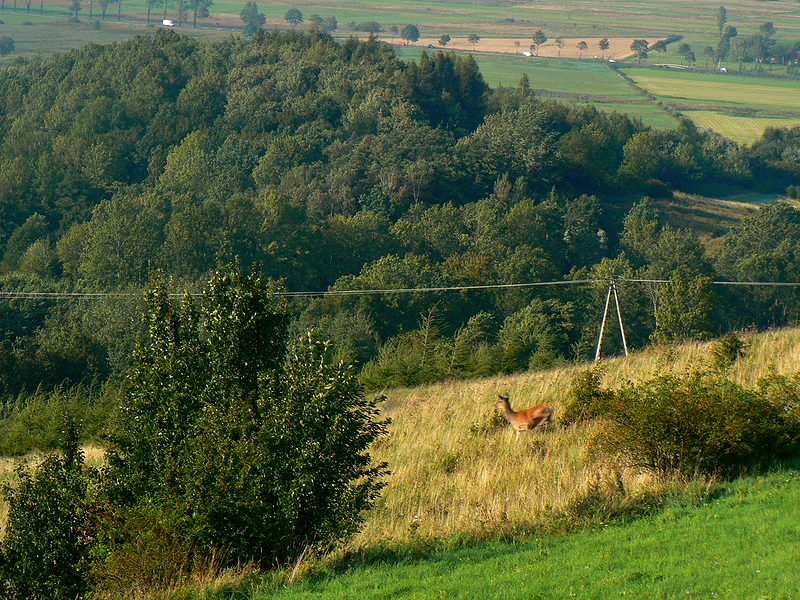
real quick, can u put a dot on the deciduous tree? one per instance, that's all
(410, 33)
(294, 17)
(253, 19)
(603, 44)
(539, 38)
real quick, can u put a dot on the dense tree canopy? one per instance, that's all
(330, 164)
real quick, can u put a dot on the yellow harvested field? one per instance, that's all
(619, 48)
(744, 130)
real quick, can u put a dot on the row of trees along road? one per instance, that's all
(182, 8)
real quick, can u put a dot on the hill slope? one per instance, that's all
(740, 546)
(454, 471)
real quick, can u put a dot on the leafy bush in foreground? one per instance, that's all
(248, 445)
(700, 423)
(586, 397)
(49, 533)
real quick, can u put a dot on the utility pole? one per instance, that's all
(612, 289)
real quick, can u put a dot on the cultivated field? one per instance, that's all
(741, 129)
(720, 90)
(619, 48)
(737, 106)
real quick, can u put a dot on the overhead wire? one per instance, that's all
(49, 295)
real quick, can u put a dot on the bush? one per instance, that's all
(727, 350)
(248, 446)
(586, 397)
(699, 423)
(47, 546)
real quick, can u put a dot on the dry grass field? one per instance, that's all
(619, 48)
(455, 471)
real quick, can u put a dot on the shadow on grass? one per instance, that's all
(592, 511)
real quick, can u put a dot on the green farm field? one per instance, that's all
(42, 35)
(740, 129)
(586, 81)
(721, 90)
(739, 107)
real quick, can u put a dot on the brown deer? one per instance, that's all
(524, 420)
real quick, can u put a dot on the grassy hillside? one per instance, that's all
(454, 471)
(741, 545)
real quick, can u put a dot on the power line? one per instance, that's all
(47, 295)
(303, 294)
(740, 283)
(453, 288)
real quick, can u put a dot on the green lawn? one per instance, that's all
(745, 544)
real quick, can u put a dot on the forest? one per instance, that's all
(335, 166)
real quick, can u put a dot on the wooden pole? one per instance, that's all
(603, 325)
(619, 316)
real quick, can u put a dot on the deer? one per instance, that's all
(524, 420)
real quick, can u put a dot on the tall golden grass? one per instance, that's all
(454, 471)
(457, 468)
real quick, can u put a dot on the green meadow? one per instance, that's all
(740, 545)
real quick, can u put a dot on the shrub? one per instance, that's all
(727, 350)
(49, 532)
(248, 446)
(698, 423)
(586, 397)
